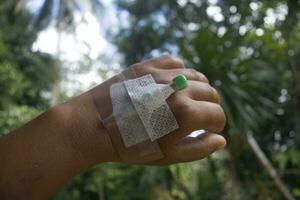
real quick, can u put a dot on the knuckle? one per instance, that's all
(215, 95)
(136, 67)
(197, 75)
(202, 77)
(192, 71)
(179, 62)
(167, 57)
(141, 69)
(174, 60)
(220, 118)
(209, 93)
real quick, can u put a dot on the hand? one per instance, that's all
(196, 107)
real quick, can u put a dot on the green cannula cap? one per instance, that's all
(180, 82)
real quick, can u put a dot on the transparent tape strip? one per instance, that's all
(139, 116)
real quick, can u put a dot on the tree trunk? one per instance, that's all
(296, 96)
(235, 187)
(269, 168)
(56, 86)
(101, 195)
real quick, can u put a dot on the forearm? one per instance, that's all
(39, 157)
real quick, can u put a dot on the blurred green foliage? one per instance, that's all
(24, 75)
(249, 50)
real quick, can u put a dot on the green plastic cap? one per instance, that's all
(180, 82)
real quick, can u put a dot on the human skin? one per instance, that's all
(39, 157)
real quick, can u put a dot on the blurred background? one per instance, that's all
(51, 50)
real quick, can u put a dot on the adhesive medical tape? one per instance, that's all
(140, 115)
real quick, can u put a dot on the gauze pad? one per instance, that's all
(138, 114)
(140, 110)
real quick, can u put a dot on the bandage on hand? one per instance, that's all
(132, 142)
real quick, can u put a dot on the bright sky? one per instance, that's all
(88, 40)
(72, 46)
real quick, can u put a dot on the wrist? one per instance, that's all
(84, 133)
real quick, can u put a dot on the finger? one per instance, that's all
(166, 76)
(200, 91)
(165, 62)
(194, 115)
(191, 149)
(190, 74)
(204, 115)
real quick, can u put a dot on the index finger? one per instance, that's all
(163, 62)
